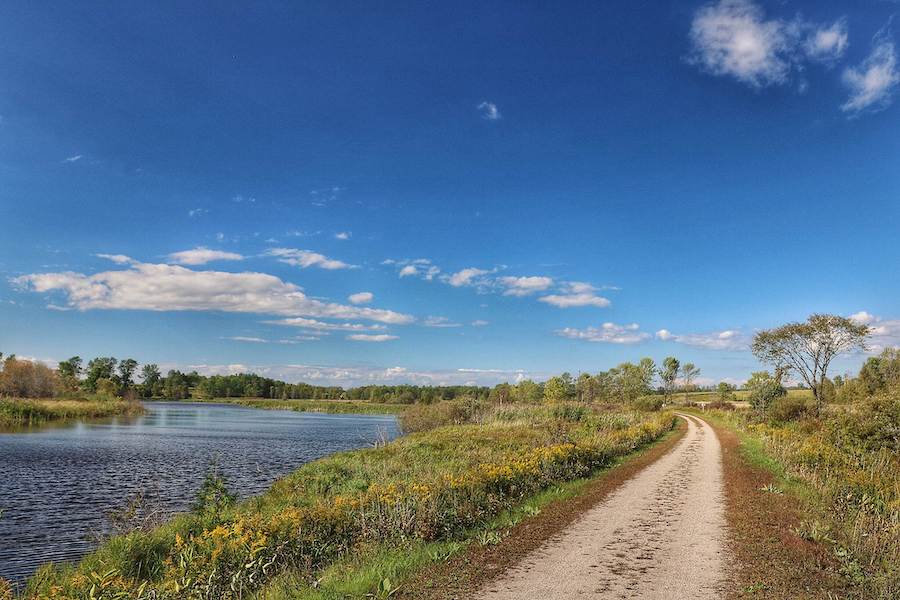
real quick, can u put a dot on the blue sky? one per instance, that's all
(505, 189)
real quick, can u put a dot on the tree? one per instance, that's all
(127, 367)
(557, 388)
(689, 373)
(97, 369)
(70, 372)
(809, 347)
(668, 374)
(150, 379)
(725, 391)
(764, 390)
(585, 388)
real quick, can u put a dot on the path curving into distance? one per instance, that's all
(661, 535)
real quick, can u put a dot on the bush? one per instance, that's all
(789, 409)
(423, 417)
(26, 379)
(648, 403)
(720, 405)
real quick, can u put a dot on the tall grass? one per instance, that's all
(17, 412)
(425, 487)
(850, 459)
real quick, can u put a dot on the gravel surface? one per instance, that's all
(661, 535)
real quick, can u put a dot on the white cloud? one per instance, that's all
(609, 333)
(572, 300)
(202, 255)
(119, 259)
(827, 43)
(241, 338)
(160, 287)
(343, 235)
(361, 298)
(524, 286)
(197, 212)
(439, 322)
(408, 271)
(72, 159)
(489, 111)
(315, 325)
(417, 267)
(480, 323)
(364, 337)
(885, 333)
(734, 38)
(873, 82)
(470, 276)
(729, 339)
(306, 259)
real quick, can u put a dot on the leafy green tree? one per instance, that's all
(669, 374)
(725, 391)
(127, 367)
(585, 388)
(764, 390)
(97, 369)
(70, 372)
(150, 380)
(809, 347)
(556, 389)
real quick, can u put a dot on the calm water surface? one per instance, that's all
(57, 485)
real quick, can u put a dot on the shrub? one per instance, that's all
(720, 405)
(648, 403)
(423, 417)
(789, 409)
(764, 390)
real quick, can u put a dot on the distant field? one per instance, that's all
(739, 395)
(321, 406)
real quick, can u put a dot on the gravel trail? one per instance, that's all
(659, 536)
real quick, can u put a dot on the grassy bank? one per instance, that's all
(18, 412)
(842, 470)
(319, 406)
(418, 496)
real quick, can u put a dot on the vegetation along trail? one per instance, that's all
(661, 535)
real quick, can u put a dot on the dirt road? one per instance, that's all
(661, 535)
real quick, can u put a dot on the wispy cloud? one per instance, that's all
(164, 287)
(306, 259)
(729, 339)
(197, 212)
(72, 159)
(364, 337)
(828, 43)
(243, 338)
(361, 298)
(439, 322)
(480, 323)
(343, 235)
(202, 255)
(608, 333)
(414, 267)
(315, 325)
(467, 277)
(325, 196)
(873, 82)
(489, 111)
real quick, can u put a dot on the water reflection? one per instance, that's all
(58, 483)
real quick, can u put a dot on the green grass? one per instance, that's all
(320, 406)
(16, 413)
(358, 517)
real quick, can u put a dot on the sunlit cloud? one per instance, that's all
(489, 111)
(873, 82)
(361, 298)
(306, 258)
(608, 333)
(365, 337)
(202, 255)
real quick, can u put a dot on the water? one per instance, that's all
(58, 485)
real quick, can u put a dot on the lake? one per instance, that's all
(59, 484)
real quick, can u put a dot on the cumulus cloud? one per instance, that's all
(415, 267)
(734, 38)
(365, 337)
(729, 339)
(524, 286)
(470, 276)
(119, 259)
(163, 287)
(609, 333)
(306, 259)
(361, 298)
(202, 255)
(489, 111)
(873, 82)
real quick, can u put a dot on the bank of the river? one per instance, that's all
(21, 412)
(375, 512)
(335, 407)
